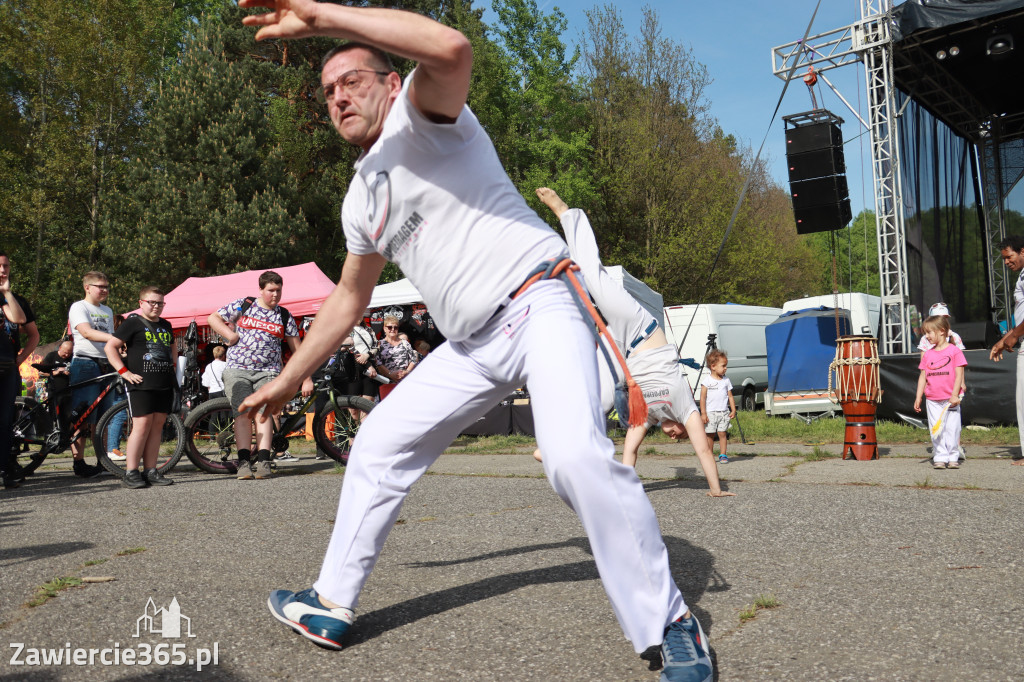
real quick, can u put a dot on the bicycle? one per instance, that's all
(46, 427)
(210, 428)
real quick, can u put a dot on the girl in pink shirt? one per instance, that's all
(942, 378)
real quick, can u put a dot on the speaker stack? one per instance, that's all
(817, 171)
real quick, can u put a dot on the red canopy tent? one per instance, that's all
(305, 288)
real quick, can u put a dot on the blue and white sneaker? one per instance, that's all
(685, 654)
(304, 613)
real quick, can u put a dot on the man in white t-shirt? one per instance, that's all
(429, 194)
(1012, 251)
(92, 324)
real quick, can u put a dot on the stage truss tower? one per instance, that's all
(870, 42)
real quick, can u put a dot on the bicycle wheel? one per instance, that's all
(335, 428)
(31, 428)
(114, 427)
(210, 437)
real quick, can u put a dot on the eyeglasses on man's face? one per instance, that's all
(101, 286)
(349, 83)
(155, 304)
(389, 326)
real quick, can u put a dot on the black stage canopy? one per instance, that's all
(962, 60)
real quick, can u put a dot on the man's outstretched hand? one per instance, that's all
(1004, 344)
(270, 399)
(287, 18)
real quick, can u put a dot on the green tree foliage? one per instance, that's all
(669, 177)
(538, 128)
(854, 253)
(212, 193)
(77, 79)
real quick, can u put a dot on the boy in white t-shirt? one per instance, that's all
(92, 325)
(717, 407)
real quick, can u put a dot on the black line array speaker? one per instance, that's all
(817, 176)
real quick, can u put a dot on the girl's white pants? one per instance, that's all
(944, 443)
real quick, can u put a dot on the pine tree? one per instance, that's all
(212, 193)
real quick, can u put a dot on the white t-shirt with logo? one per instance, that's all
(100, 318)
(1018, 306)
(434, 199)
(717, 399)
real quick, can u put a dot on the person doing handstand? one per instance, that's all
(651, 359)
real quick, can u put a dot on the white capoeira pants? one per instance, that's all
(539, 339)
(945, 443)
(1020, 399)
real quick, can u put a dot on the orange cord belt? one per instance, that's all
(565, 270)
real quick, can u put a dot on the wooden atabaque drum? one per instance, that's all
(857, 389)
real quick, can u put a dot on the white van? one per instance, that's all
(865, 310)
(738, 330)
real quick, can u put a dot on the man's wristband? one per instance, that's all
(123, 370)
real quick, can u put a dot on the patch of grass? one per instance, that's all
(650, 451)
(48, 591)
(818, 454)
(762, 602)
(484, 444)
(760, 428)
(926, 483)
(95, 562)
(130, 551)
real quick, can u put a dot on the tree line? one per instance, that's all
(157, 141)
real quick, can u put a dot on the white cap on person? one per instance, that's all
(938, 309)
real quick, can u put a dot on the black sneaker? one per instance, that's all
(133, 479)
(83, 470)
(154, 477)
(11, 481)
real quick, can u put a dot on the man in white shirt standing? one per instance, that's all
(429, 194)
(1012, 251)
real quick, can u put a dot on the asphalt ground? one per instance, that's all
(885, 570)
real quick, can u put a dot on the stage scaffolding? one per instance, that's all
(904, 75)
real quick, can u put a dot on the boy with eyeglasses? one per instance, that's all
(148, 368)
(92, 324)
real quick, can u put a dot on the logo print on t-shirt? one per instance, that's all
(942, 364)
(378, 204)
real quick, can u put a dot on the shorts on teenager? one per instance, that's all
(142, 402)
(717, 421)
(83, 369)
(239, 384)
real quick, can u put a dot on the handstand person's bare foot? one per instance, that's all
(552, 201)
(537, 456)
